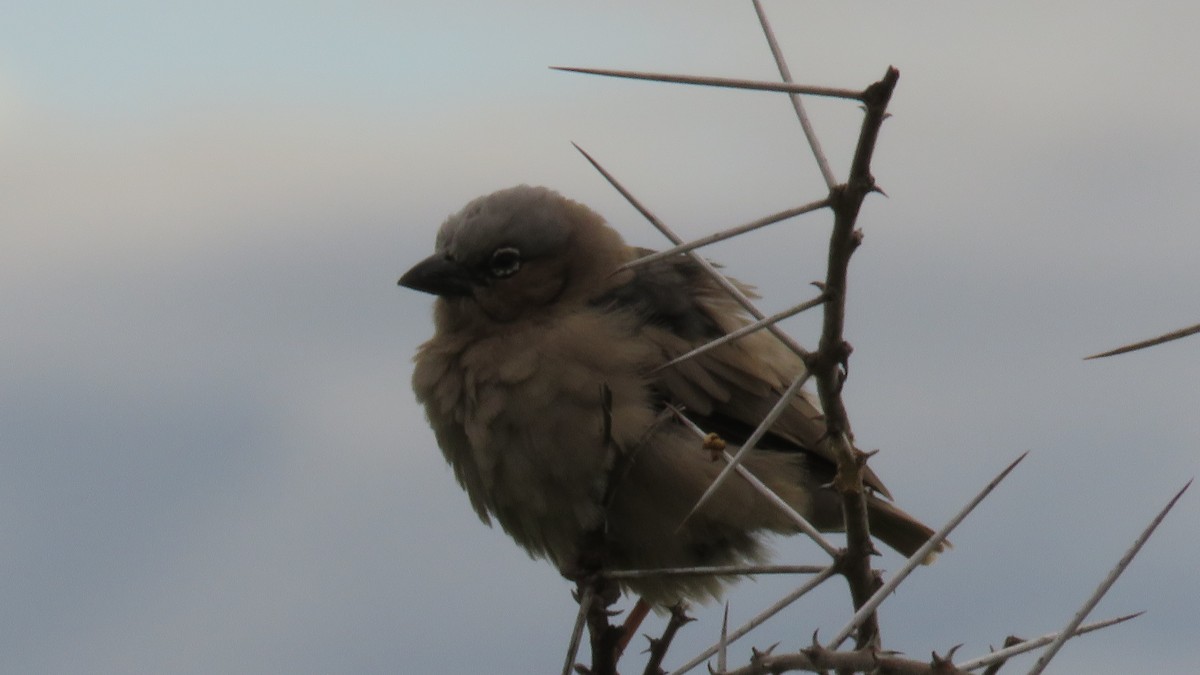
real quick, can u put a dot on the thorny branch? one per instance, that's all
(659, 646)
(828, 363)
(818, 660)
(598, 590)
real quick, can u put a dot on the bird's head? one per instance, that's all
(517, 253)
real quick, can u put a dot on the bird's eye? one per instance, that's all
(505, 262)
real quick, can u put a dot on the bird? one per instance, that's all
(545, 386)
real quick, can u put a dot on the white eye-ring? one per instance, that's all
(505, 262)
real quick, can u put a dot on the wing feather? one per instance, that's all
(730, 388)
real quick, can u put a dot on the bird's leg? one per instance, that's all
(587, 572)
(605, 637)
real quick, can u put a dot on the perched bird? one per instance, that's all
(543, 386)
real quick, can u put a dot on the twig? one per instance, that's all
(994, 668)
(1067, 632)
(819, 660)
(719, 82)
(786, 75)
(919, 557)
(659, 647)
(1173, 335)
(827, 364)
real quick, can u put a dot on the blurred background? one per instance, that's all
(210, 456)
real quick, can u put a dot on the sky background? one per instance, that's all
(210, 456)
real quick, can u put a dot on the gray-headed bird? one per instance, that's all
(544, 388)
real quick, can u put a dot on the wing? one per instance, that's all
(730, 388)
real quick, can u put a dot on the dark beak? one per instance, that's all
(439, 276)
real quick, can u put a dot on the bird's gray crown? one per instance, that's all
(534, 220)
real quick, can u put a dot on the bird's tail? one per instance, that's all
(899, 530)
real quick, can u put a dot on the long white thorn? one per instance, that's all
(716, 570)
(919, 557)
(734, 83)
(1173, 335)
(1069, 630)
(726, 234)
(800, 521)
(1034, 643)
(758, 620)
(744, 331)
(708, 268)
(786, 74)
(785, 400)
(585, 604)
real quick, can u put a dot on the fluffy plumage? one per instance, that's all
(533, 323)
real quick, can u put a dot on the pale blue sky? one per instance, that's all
(211, 459)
